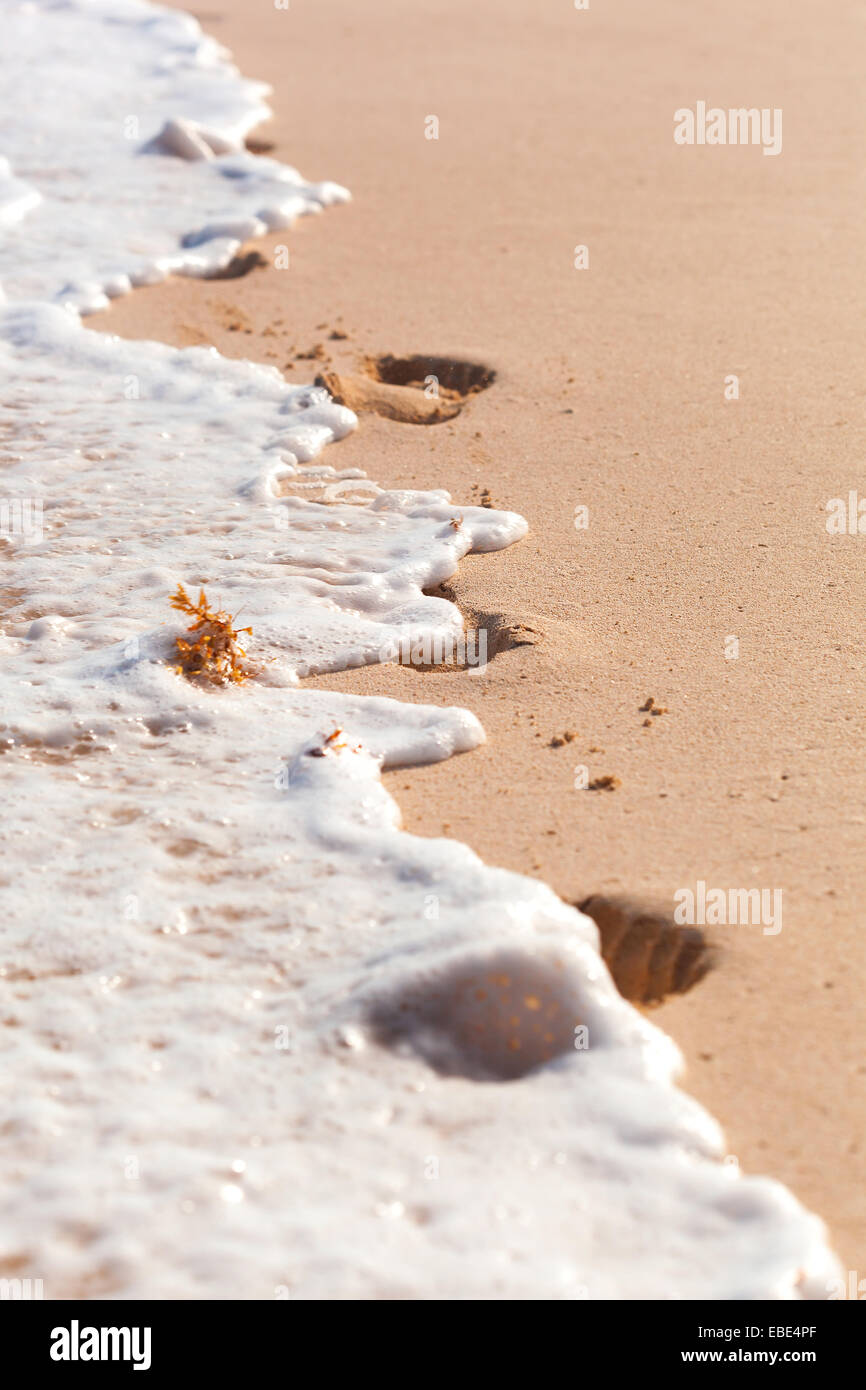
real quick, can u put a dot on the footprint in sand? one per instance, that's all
(494, 1017)
(648, 956)
(414, 390)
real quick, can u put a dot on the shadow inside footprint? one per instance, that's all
(487, 634)
(647, 954)
(239, 266)
(493, 1019)
(450, 374)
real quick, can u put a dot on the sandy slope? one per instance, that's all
(706, 516)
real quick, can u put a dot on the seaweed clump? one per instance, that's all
(215, 655)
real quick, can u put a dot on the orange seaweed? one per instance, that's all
(215, 655)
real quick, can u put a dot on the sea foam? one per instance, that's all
(99, 192)
(259, 1041)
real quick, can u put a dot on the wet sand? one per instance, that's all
(706, 515)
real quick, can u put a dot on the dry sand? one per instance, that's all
(706, 516)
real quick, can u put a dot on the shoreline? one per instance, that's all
(706, 516)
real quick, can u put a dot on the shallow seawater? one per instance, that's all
(258, 1041)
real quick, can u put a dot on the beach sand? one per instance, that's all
(706, 515)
